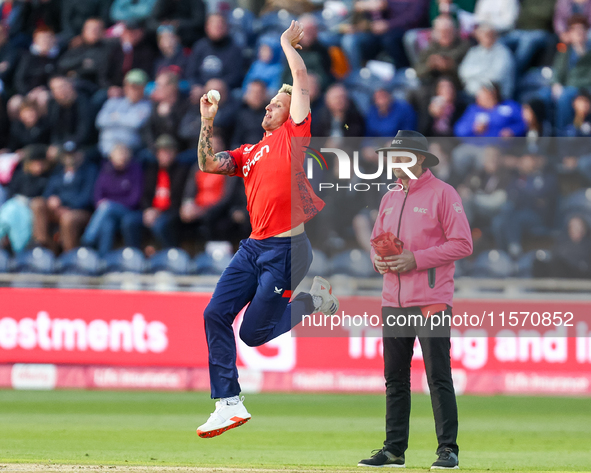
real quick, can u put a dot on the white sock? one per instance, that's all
(231, 401)
(317, 302)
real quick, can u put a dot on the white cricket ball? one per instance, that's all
(213, 96)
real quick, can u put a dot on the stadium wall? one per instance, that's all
(97, 339)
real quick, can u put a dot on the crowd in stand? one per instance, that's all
(99, 114)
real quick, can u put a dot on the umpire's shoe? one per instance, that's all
(447, 460)
(382, 458)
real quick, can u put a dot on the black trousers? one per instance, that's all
(398, 351)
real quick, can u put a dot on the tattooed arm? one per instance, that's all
(219, 163)
(300, 96)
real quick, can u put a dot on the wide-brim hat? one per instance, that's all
(408, 140)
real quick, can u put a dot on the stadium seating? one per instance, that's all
(82, 261)
(355, 263)
(37, 260)
(493, 264)
(4, 261)
(173, 260)
(525, 264)
(125, 260)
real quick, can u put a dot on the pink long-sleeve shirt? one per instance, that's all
(431, 222)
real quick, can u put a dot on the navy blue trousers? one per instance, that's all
(262, 272)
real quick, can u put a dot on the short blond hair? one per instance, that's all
(285, 89)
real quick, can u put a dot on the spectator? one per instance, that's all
(339, 117)
(38, 64)
(489, 60)
(66, 201)
(75, 13)
(490, 116)
(131, 10)
(572, 70)
(443, 110)
(389, 20)
(564, 10)
(164, 183)
(316, 97)
(168, 109)
(70, 117)
(533, 32)
(172, 54)
(121, 120)
(8, 60)
(216, 55)
(268, 66)
(28, 182)
(30, 128)
(571, 253)
(534, 116)
(250, 116)
(581, 125)
(386, 116)
(454, 9)
(207, 198)
(186, 16)
(87, 61)
(444, 53)
(133, 52)
(483, 191)
(530, 206)
(314, 54)
(499, 14)
(117, 193)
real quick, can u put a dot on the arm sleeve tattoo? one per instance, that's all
(220, 163)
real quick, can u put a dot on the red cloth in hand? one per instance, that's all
(387, 244)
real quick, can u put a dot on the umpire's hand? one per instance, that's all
(405, 261)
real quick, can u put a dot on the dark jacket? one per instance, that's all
(224, 61)
(33, 71)
(87, 62)
(190, 15)
(124, 187)
(23, 183)
(353, 125)
(178, 176)
(144, 56)
(76, 12)
(455, 52)
(177, 60)
(158, 125)
(248, 126)
(76, 194)
(74, 123)
(577, 76)
(317, 60)
(10, 56)
(21, 136)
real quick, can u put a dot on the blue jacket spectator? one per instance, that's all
(268, 67)
(386, 116)
(490, 118)
(74, 188)
(216, 56)
(171, 52)
(121, 120)
(126, 10)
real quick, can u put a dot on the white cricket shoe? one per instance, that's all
(224, 418)
(322, 288)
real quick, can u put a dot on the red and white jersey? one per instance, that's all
(279, 196)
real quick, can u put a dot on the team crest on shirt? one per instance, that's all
(457, 207)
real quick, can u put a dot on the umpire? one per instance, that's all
(428, 217)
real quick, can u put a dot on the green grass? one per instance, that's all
(287, 431)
